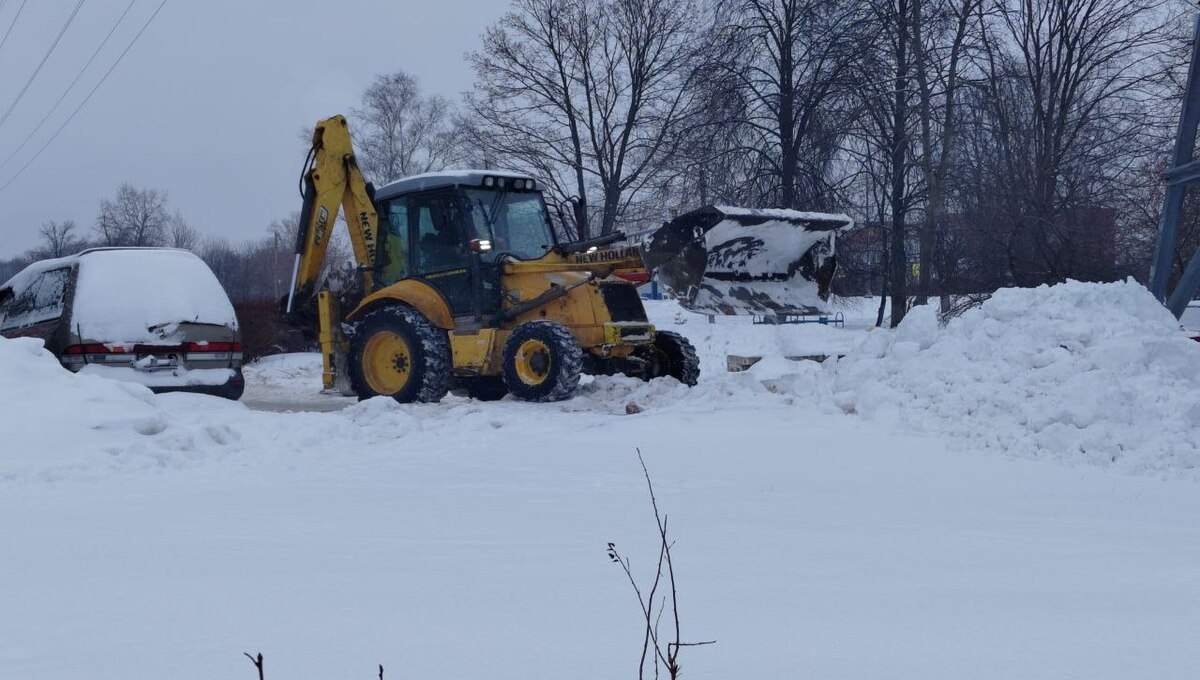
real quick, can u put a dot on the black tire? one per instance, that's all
(542, 362)
(674, 355)
(395, 352)
(235, 388)
(485, 388)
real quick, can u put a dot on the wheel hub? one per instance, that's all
(533, 362)
(386, 362)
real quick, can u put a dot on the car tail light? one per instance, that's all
(212, 351)
(89, 353)
(211, 347)
(92, 349)
(96, 353)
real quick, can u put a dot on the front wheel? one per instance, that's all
(673, 355)
(395, 352)
(542, 362)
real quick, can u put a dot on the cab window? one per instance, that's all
(514, 221)
(438, 242)
(393, 251)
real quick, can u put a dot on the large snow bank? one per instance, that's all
(1091, 373)
(57, 422)
(1079, 372)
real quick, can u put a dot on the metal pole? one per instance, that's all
(1186, 288)
(1185, 143)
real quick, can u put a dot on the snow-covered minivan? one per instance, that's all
(155, 316)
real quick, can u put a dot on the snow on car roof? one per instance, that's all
(121, 292)
(35, 268)
(130, 294)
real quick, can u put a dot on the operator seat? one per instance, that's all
(440, 249)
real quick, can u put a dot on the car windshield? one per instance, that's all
(515, 222)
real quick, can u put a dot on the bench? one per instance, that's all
(838, 319)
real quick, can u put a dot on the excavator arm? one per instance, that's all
(332, 181)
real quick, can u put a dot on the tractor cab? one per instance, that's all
(452, 229)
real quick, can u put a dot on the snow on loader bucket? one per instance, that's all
(723, 260)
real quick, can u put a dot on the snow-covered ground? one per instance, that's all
(940, 503)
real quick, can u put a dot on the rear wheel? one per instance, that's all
(542, 362)
(395, 352)
(673, 355)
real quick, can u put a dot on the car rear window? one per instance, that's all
(128, 295)
(39, 301)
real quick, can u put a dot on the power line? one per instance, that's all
(14, 22)
(42, 63)
(67, 91)
(87, 98)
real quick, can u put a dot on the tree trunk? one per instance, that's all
(612, 200)
(899, 263)
(787, 119)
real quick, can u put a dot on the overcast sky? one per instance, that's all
(208, 103)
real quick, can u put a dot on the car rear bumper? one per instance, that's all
(230, 389)
(223, 382)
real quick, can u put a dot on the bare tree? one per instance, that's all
(586, 95)
(942, 31)
(715, 161)
(260, 269)
(637, 95)
(884, 140)
(59, 239)
(653, 606)
(900, 18)
(527, 73)
(134, 217)
(792, 60)
(180, 234)
(400, 131)
(1067, 85)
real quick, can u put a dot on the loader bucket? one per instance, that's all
(723, 260)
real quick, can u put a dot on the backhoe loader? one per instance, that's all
(465, 283)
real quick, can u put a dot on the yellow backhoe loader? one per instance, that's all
(464, 282)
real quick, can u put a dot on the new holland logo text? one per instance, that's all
(612, 255)
(364, 225)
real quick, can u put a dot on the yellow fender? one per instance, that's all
(417, 294)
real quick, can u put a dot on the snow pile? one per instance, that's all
(297, 372)
(1096, 373)
(739, 335)
(56, 421)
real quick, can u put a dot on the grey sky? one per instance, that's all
(209, 102)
